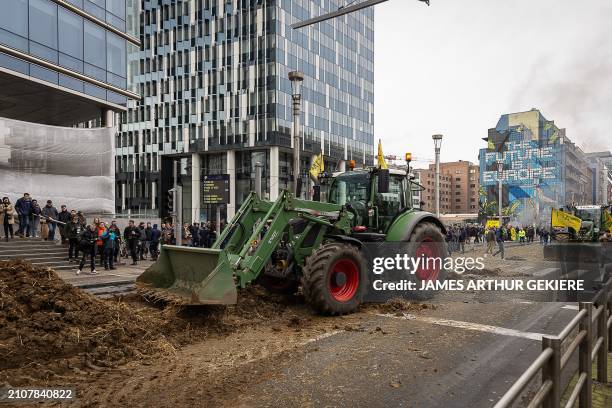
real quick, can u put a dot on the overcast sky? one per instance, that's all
(456, 66)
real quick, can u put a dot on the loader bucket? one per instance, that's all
(189, 276)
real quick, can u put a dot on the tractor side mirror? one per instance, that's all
(383, 181)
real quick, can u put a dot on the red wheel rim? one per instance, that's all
(345, 270)
(427, 249)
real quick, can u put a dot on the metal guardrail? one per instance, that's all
(552, 360)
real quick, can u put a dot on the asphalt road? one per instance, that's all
(415, 362)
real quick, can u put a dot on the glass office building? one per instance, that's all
(64, 62)
(216, 96)
(64, 71)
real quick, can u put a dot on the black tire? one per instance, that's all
(423, 233)
(334, 279)
(281, 286)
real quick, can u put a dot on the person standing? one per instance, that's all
(148, 232)
(500, 243)
(23, 206)
(49, 212)
(87, 245)
(72, 231)
(490, 240)
(36, 221)
(7, 217)
(154, 245)
(142, 240)
(131, 235)
(109, 239)
(195, 234)
(114, 228)
(63, 216)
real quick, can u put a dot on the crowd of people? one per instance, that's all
(457, 236)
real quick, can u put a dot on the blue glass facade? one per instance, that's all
(88, 39)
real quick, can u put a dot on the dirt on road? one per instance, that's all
(119, 351)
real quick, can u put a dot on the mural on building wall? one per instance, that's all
(531, 151)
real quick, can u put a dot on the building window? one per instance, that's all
(95, 45)
(14, 18)
(70, 33)
(43, 22)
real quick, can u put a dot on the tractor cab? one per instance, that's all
(372, 195)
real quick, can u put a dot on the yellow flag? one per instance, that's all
(492, 224)
(607, 220)
(490, 144)
(317, 167)
(563, 219)
(381, 157)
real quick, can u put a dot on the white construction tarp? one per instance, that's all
(72, 166)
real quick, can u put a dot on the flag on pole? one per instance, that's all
(381, 157)
(317, 167)
(563, 219)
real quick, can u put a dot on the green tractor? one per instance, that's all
(293, 243)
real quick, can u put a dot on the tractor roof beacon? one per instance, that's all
(292, 242)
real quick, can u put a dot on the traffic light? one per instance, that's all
(169, 201)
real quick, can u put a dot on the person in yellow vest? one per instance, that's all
(521, 236)
(513, 234)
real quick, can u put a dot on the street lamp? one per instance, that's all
(500, 170)
(296, 78)
(437, 143)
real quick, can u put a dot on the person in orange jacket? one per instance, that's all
(100, 230)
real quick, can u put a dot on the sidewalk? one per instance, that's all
(105, 282)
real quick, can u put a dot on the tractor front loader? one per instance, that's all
(292, 242)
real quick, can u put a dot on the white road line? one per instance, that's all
(545, 271)
(570, 307)
(468, 326)
(320, 337)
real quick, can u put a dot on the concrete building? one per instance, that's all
(600, 164)
(216, 97)
(459, 185)
(63, 64)
(541, 166)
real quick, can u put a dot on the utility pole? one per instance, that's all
(437, 143)
(258, 172)
(500, 169)
(296, 78)
(178, 205)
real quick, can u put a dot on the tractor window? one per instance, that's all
(389, 204)
(350, 187)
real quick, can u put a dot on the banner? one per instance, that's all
(563, 219)
(492, 224)
(607, 220)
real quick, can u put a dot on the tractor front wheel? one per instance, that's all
(334, 279)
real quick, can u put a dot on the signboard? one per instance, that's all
(492, 224)
(215, 189)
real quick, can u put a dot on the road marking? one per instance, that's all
(468, 326)
(320, 337)
(570, 307)
(545, 271)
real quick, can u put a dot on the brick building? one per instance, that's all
(459, 185)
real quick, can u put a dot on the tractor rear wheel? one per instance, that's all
(334, 279)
